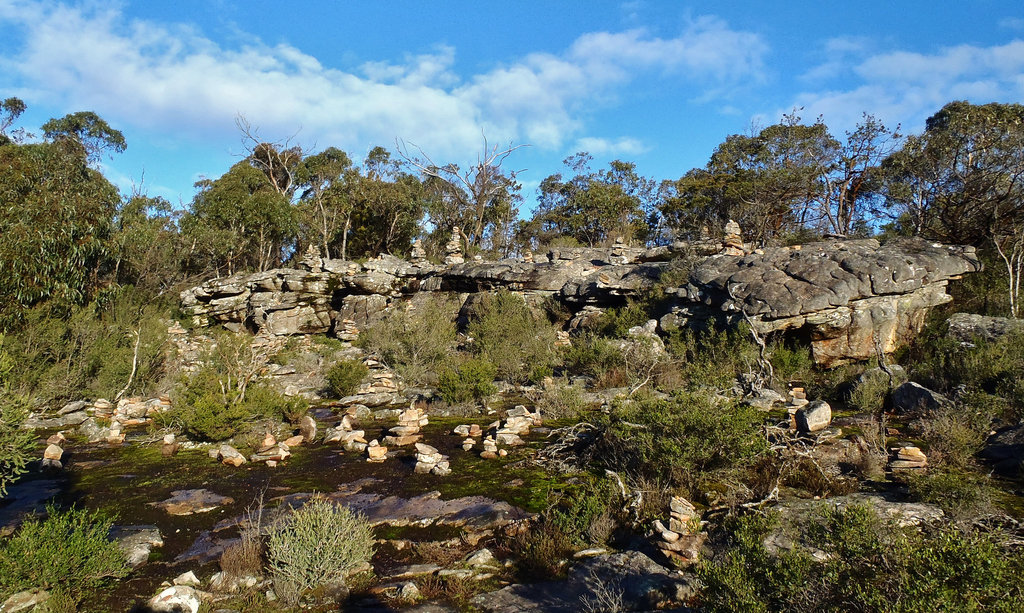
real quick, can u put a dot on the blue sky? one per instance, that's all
(658, 83)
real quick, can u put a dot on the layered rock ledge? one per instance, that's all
(849, 298)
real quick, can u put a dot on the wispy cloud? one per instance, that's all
(906, 87)
(610, 147)
(170, 77)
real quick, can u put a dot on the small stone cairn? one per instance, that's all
(453, 249)
(907, 457)
(375, 452)
(528, 256)
(347, 330)
(508, 433)
(54, 452)
(430, 460)
(682, 539)
(418, 254)
(407, 431)
(732, 244)
(271, 451)
(344, 433)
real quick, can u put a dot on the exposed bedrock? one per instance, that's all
(849, 299)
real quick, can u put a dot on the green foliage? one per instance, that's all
(90, 351)
(216, 402)
(319, 544)
(345, 376)
(16, 444)
(541, 551)
(562, 401)
(593, 356)
(471, 379)
(413, 340)
(713, 357)
(584, 512)
(506, 333)
(67, 551)
(961, 493)
(240, 221)
(872, 389)
(790, 362)
(595, 208)
(682, 440)
(55, 218)
(992, 373)
(871, 566)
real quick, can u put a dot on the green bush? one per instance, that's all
(872, 389)
(506, 333)
(472, 379)
(562, 402)
(962, 494)
(713, 358)
(415, 342)
(344, 377)
(594, 356)
(790, 362)
(585, 511)
(16, 444)
(871, 566)
(68, 551)
(319, 544)
(683, 440)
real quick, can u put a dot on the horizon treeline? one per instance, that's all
(69, 235)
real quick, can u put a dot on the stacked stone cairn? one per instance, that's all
(418, 255)
(271, 451)
(508, 433)
(732, 244)
(682, 539)
(375, 452)
(407, 431)
(346, 330)
(907, 457)
(470, 433)
(453, 249)
(344, 433)
(430, 460)
(169, 446)
(54, 452)
(380, 390)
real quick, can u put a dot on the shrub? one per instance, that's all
(594, 356)
(414, 341)
(872, 389)
(683, 439)
(210, 414)
(714, 358)
(561, 402)
(585, 511)
(541, 551)
(962, 494)
(506, 333)
(790, 362)
(870, 565)
(344, 377)
(319, 544)
(472, 379)
(16, 444)
(68, 551)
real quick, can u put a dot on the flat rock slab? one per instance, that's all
(473, 511)
(642, 584)
(187, 502)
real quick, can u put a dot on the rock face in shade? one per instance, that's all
(847, 297)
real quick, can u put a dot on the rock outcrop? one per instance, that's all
(847, 297)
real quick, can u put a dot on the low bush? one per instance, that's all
(585, 511)
(594, 356)
(16, 444)
(319, 544)
(871, 566)
(471, 379)
(506, 333)
(67, 551)
(344, 377)
(206, 412)
(414, 341)
(562, 401)
(683, 440)
(540, 552)
(871, 390)
(714, 358)
(962, 494)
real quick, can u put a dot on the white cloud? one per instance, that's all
(163, 78)
(610, 147)
(906, 87)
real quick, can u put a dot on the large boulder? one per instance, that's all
(970, 327)
(915, 399)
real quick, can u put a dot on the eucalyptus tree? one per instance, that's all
(595, 208)
(962, 181)
(482, 196)
(56, 214)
